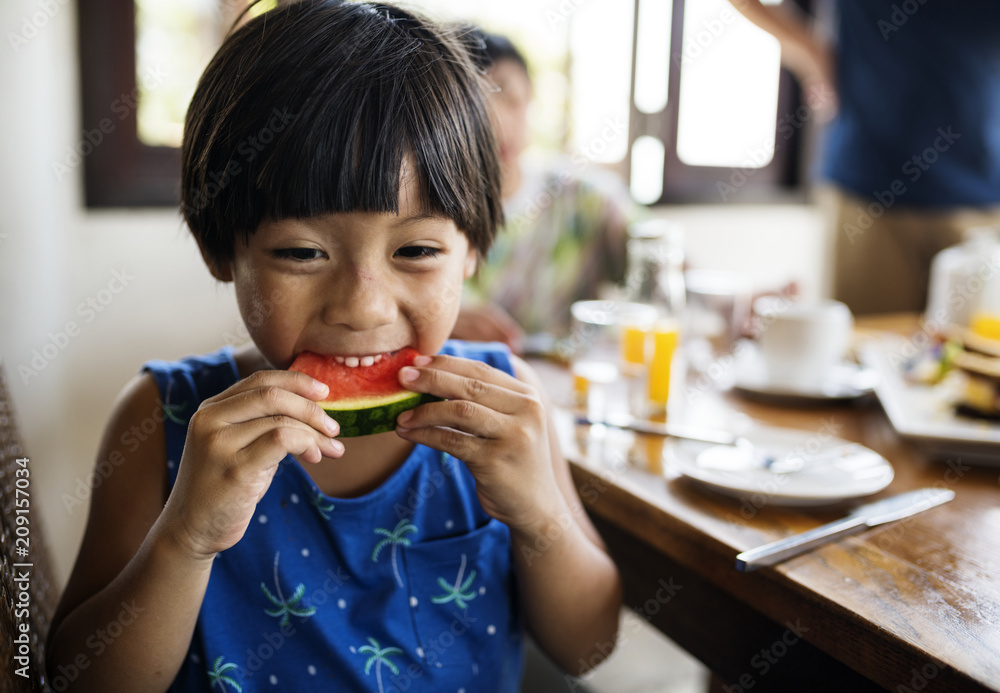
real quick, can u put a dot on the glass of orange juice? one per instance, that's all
(664, 335)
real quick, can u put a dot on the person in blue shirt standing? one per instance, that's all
(913, 153)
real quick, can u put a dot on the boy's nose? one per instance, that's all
(360, 300)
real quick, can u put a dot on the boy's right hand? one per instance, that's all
(234, 444)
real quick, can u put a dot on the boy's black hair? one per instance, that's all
(488, 49)
(314, 107)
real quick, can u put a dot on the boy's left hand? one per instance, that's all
(494, 423)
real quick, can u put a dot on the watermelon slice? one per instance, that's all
(364, 400)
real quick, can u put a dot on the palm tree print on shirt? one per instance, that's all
(459, 592)
(217, 675)
(321, 505)
(172, 411)
(284, 608)
(379, 657)
(394, 538)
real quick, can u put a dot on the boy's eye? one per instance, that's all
(418, 251)
(300, 254)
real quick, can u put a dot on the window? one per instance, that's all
(684, 98)
(713, 117)
(139, 64)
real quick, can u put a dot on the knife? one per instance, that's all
(632, 423)
(865, 516)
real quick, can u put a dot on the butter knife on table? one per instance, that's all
(861, 518)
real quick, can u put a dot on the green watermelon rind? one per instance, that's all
(365, 416)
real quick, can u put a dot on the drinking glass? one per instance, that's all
(718, 307)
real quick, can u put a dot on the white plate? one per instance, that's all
(922, 413)
(847, 381)
(850, 476)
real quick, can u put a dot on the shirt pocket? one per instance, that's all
(462, 602)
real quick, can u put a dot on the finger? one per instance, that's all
(458, 444)
(270, 400)
(276, 442)
(468, 368)
(452, 386)
(245, 433)
(460, 414)
(293, 381)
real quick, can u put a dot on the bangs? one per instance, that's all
(321, 107)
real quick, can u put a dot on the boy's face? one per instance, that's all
(352, 284)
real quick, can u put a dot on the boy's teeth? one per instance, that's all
(351, 361)
(338, 359)
(378, 357)
(367, 360)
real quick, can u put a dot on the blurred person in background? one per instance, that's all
(566, 222)
(913, 151)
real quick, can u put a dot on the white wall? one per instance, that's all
(54, 255)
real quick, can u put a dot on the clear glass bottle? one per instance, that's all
(655, 276)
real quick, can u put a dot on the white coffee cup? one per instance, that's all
(802, 343)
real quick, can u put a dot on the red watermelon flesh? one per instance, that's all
(363, 399)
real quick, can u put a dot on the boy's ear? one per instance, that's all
(471, 262)
(220, 269)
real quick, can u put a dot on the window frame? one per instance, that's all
(120, 170)
(780, 179)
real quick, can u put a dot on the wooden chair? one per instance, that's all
(17, 617)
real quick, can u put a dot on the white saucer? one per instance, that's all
(847, 381)
(861, 473)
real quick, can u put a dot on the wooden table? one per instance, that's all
(908, 606)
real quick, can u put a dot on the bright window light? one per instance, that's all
(729, 88)
(601, 44)
(647, 169)
(652, 60)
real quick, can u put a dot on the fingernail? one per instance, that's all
(421, 360)
(408, 375)
(321, 388)
(404, 417)
(338, 446)
(332, 426)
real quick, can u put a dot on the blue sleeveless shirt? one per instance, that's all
(410, 587)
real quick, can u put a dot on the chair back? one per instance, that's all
(27, 593)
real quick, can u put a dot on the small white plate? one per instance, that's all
(851, 476)
(848, 381)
